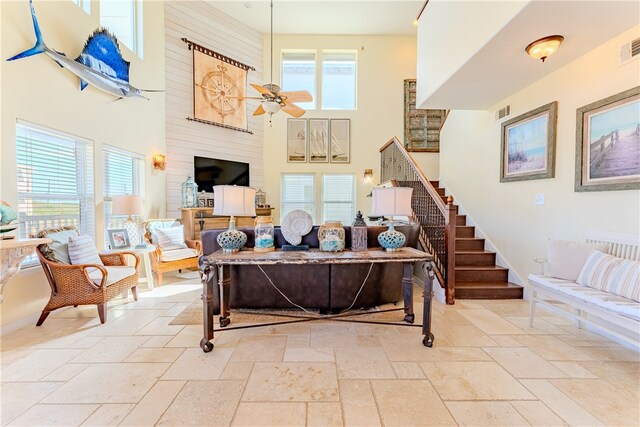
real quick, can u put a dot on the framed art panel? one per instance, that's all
(528, 145)
(340, 147)
(421, 126)
(608, 143)
(318, 140)
(297, 140)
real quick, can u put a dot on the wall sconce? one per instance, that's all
(368, 176)
(544, 47)
(159, 162)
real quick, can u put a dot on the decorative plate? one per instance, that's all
(296, 224)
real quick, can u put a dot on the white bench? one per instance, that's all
(617, 316)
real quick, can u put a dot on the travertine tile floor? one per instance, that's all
(487, 367)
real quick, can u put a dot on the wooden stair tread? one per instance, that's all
(470, 252)
(482, 267)
(486, 285)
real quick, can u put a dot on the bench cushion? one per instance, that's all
(611, 274)
(620, 305)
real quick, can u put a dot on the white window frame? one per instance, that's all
(325, 198)
(313, 201)
(137, 27)
(138, 169)
(316, 77)
(28, 146)
(321, 74)
(84, 5)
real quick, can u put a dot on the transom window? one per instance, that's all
(123, 19)
(84, 4)
(55, 181)
(299, 73)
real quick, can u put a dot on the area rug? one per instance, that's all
(192, 315)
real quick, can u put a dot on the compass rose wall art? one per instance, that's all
(219, 85)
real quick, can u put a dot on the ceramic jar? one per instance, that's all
(331, 236)
(264, 234)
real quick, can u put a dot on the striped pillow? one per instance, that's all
(170, 238)
(82, 250)
(611, 274)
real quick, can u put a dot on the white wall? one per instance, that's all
(470, 164)
(383, 64)
(202, 23)
(37, 90)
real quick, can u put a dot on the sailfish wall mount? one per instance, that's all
(100, 64)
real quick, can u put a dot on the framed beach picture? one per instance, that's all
(340, 146)
(528, 145)
(119, 238)
(608, 143)
(318, 140)
(296, 140)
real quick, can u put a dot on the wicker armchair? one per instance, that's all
(72, 284)
(159, 262)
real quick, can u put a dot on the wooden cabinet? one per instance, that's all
(196, 220)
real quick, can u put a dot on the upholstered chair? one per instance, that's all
(164, 260)
(83, 284)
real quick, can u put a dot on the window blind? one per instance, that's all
(338, 198)
(297, 191)
(55, 181)
(123, 174)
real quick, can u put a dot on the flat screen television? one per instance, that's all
(209, 172)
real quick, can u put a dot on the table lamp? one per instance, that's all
(231, 200)
(392, 201)
(130, 205)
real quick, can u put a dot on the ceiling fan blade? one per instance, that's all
(292, 109)
(259, 111)
(297, 96)
(262, 90)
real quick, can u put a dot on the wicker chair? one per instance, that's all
(159, 264)
(71, 284)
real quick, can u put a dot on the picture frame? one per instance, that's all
(340, 147)
(297, 141)
(607, 137)
(318, 140)
(119, 238)
(527, 145)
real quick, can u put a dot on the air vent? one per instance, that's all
(503, 112)
(629, 51)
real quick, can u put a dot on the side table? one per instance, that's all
(145, 254)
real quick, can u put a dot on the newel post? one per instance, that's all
(450, 242)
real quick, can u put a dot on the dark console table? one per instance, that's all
(213, 267)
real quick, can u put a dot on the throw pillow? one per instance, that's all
(611, 274)
(58, 249)
(171, 238)
(82, 250)
(565, 258)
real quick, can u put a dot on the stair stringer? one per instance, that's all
(500, 259)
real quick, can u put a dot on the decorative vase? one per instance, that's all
(359, 234)
(331, 236)
(189, 193)
(232, 240)
(391, 239)
(264, 234)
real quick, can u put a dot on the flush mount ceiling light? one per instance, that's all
(544, 47)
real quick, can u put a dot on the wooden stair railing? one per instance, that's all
(437, 219)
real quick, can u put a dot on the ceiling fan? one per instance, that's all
(273, 99)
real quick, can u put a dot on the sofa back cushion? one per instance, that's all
(82, 250)
(58, 249)
(171, 238)
(152, 225)
(566, 258)
(611, 274)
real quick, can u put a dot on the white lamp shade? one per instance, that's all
(126, 205)
(231, 200)
(392, 201)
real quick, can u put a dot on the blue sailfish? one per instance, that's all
(100, 64)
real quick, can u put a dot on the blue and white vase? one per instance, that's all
(232, 240)
(391, 239)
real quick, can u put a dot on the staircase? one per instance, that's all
(476, 274)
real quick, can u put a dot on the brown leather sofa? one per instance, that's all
(327, 288)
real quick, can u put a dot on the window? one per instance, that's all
(338, 198)
(297, 191)
(84, 4)
(55, 181)
(123, 174)
(122, 18)
(339, 80)
(299, 73)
